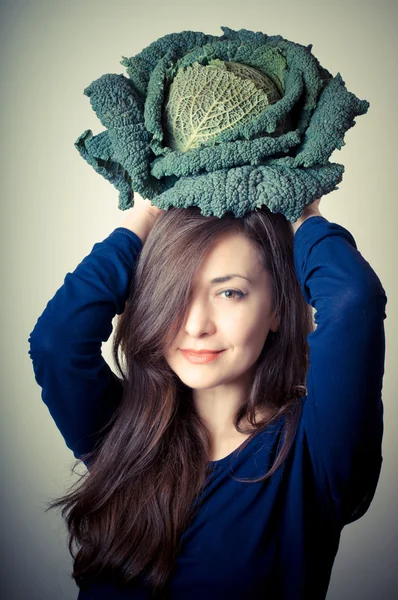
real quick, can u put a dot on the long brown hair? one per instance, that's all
(129, 512)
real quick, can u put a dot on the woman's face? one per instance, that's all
(234, 315)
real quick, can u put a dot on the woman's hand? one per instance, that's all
(312, 210)
(146, 205)
(141, 218)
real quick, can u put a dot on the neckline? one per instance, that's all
(215, 463)
(221, 461)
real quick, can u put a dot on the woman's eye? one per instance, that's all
(240, 294)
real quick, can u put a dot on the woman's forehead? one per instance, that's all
(233, 253)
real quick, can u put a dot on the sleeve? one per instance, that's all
(78, 386)
(343, 409)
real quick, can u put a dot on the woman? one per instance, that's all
(232, 474)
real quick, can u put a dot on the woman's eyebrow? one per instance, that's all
(227, 278)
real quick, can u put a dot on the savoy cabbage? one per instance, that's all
(226, 123)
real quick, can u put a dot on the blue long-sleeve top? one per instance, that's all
(275, 539)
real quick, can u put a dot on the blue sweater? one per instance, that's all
(275, 539)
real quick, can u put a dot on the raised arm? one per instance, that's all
(343, 411)
(78, 386)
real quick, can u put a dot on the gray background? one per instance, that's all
(55, 207)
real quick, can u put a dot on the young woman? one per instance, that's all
(240, 439)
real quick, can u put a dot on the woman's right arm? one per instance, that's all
(78, 386)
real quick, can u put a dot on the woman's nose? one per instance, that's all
(199, 319)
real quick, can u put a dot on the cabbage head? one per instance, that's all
(202, 102)
(226, 123)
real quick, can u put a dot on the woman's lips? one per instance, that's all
(201, 358)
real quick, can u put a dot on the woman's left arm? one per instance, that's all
(343, 411)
